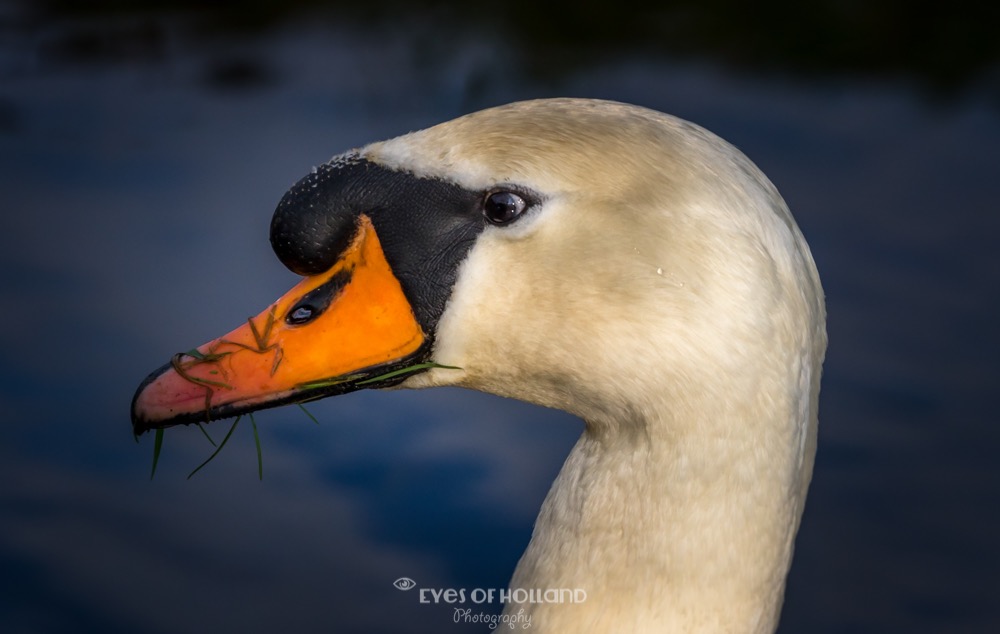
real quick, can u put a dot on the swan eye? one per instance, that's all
(503, 207)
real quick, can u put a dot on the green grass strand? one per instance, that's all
(217, 449)
(205, 431)
(260, 456)
(308, 413)
(157, 447)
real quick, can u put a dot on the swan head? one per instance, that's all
(585, 255)
(600, 258)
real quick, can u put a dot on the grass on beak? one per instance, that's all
(308, 413)
(262, 342)
(217, 449)
(157, 446)
(260, 457)
(207, 358)
(205, 431)
(177, 361)
(407, 370)
(344, 378)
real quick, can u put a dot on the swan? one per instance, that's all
(605, 259)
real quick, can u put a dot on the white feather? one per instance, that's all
(663, 293)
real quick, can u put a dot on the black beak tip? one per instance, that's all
(140, 424)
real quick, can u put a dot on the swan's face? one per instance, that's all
(544, 307)
(546, 249)
(652, 260)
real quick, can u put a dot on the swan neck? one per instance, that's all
(681, 532)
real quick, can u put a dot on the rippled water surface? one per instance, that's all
(141, 162)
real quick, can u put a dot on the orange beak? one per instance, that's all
(349, 325)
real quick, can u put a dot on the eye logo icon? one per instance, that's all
(405, 583)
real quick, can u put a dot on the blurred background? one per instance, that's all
(143, 147)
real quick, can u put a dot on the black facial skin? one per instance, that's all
(426, 227)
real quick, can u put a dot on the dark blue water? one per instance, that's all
(137, 189)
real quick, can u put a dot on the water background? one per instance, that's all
(142, 152)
